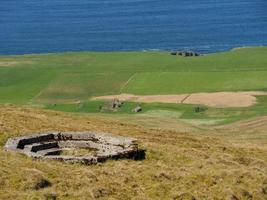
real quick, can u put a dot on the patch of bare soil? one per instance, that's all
(216, 99)
(12, 63)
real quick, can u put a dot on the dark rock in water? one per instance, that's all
(185, 53)
(188, 54)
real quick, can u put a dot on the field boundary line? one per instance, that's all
(44, 88)
(39, 93)
(184, 99)
(126, 83)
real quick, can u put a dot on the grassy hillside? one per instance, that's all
(49, 78)
(189, 156)
(57, 81)
(178, 166)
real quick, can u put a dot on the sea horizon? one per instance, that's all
(34, 26)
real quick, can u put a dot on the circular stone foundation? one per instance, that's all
(81, 147)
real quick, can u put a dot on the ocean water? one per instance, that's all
(40, 26)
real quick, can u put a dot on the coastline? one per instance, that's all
(131, 51)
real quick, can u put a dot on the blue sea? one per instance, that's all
(41, 26)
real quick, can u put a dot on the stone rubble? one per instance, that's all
(50, 145)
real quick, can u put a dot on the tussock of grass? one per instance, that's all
(178, 166)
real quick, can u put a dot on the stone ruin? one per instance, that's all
(116, 103)
(76, 147)
(185, 53)
(137, 109)
(113, 105)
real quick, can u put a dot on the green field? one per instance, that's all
(181, 112)
(78, 76)
(193, 82)
(62, 79)
(190, 154)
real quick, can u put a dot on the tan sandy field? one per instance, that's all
(216, 99)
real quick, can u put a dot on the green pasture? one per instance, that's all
(80, 86)
(68, 77)
(192, 82)
(182, 112)
(59, 81)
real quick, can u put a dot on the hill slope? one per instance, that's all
(178, 165)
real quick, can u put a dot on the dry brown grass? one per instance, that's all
(178, 165)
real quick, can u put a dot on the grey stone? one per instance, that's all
(137, 109)
(50, 145)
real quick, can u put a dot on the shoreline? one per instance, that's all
(133, 51)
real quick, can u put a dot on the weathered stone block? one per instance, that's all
(49, 146)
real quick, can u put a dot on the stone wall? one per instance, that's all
(50, 145)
